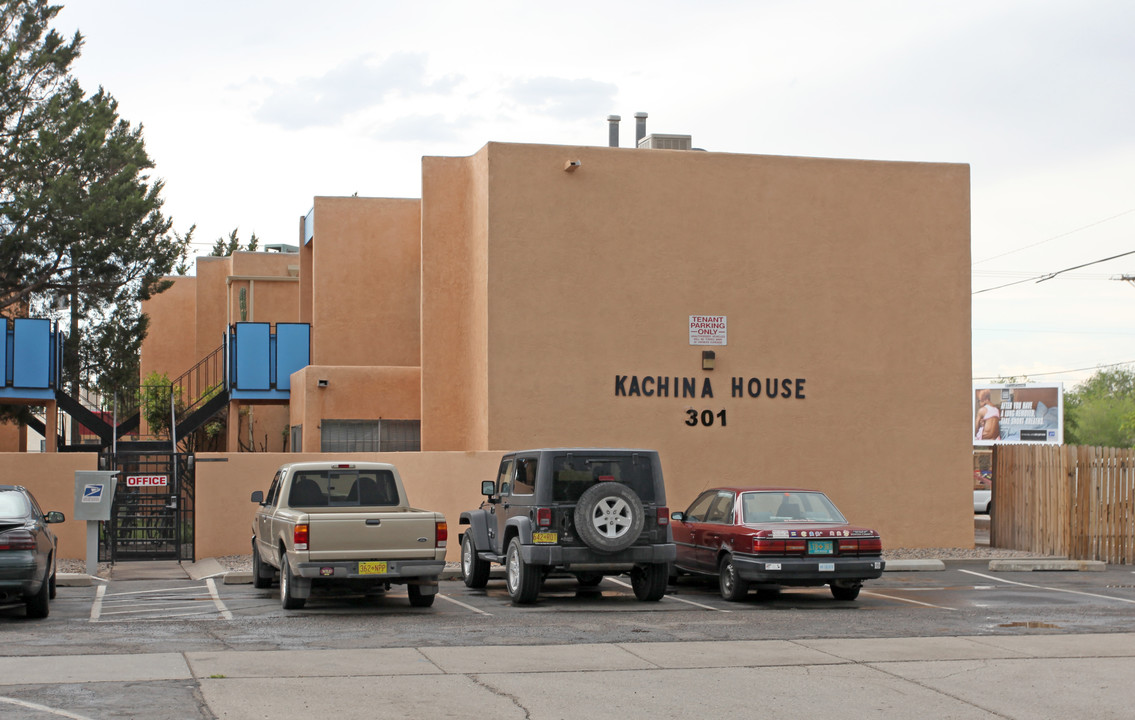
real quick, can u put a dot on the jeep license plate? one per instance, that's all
(820, 547)
(544, 538)
(372, 568)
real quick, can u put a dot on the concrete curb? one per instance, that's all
(914, 566)
(1053, 564)
(73, 580)
(209, 567)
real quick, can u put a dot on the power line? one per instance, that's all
(1049, 276)
(1057, 372)
(1056, 237)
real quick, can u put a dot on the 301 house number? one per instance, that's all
(705, 418)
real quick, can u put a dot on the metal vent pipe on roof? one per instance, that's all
(613, 130)
(639, 127)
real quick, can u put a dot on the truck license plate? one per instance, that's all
(372, 568)
(819, 547)
(544, 537)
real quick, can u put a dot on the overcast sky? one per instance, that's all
(251, 109)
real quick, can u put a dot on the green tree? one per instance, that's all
(1101, 410)
(82, 234)
(225, 246)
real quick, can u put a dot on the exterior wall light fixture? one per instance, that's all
(322, 383)
(708, 359)
(572, 165)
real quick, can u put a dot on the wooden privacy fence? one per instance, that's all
(1072, 501)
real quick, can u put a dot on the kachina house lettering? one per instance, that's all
(670, 386)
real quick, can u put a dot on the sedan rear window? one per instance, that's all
(13, 505)
(765, 507)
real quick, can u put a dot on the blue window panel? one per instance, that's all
(31, 356)
(309, 226)
(5, 350)
(252, 360)
(293, 351)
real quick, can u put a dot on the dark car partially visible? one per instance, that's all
(27, 551)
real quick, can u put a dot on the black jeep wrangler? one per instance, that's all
(589, 512)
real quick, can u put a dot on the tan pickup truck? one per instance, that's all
(346, 526)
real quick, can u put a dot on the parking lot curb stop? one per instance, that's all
(1030, 565)
(914, 566)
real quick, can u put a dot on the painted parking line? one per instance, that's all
(1054, 589)
(676, 599)
(906, 600)
(224, 611)
(159, 604)
(42, 708)
(467, 607)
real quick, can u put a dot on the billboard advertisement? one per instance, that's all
(1018, 413)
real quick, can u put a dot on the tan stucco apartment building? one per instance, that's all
(759, 320)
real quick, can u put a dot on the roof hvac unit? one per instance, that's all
(666, 142)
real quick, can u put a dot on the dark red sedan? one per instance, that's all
(768, 538)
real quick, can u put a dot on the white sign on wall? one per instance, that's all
(147, 480)
(707, 330)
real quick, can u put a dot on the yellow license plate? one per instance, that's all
(544, 537)
(372, 568)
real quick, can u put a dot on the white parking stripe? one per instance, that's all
(1044, 587)
(178, 591)
(467, 607)
(141, 609)
(96, 606)
(671, 597)
(42, 708)
(159, 604)
(217, 600)
(912, 602)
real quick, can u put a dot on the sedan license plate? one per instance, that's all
(372, 568)
(544, 537)
(820, 547)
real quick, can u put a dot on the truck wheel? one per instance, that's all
(261, 573)
(522, 579)
(289, 601)
(649, 581)
(417, 598)
(474, 570)
(608, 517)
(39, 605)
(733, 588)
(845, 590)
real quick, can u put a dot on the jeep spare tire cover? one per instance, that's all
(608, 517)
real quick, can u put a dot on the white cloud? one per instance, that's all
(563, 98)
(359, 84)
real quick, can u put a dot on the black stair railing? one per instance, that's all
(200, 383)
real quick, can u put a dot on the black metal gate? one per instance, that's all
(152, 517)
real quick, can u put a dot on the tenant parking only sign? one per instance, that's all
(147, 480)
(707, 330)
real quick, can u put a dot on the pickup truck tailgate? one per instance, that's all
(400, 534)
